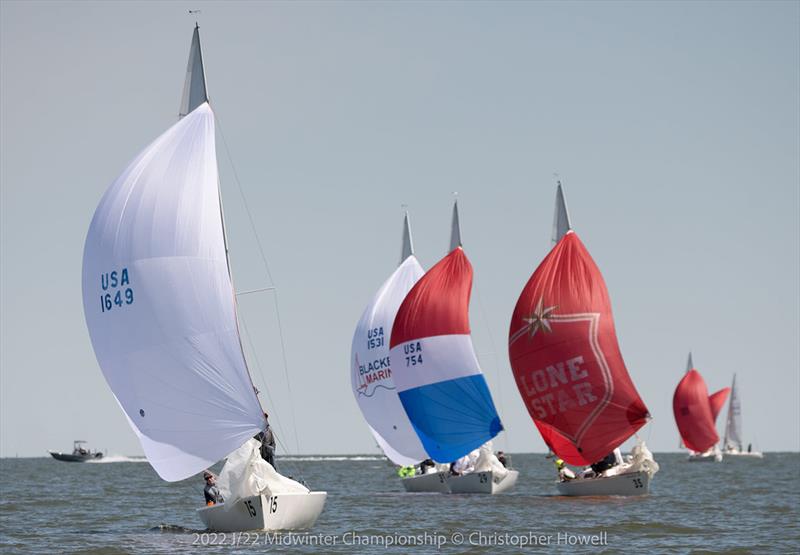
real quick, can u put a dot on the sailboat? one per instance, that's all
(160, 307)
(695, 414)
(569, 370)
(732, 442)
(439, 381)
(372, 372)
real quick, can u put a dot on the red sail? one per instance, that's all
(717, 401)
(438, 304)
(693, 415)
(566, 359)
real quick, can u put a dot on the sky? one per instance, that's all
(674, 127)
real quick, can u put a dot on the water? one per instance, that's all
(737, 506)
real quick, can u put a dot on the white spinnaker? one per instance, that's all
(376, 393)
(159, 304)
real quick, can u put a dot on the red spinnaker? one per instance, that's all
(717, 401)
(693, 412)
(566, 359)
(438, 304)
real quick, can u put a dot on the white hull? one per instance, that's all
(628, 484)
(705, 457)
(435, 482)
(744, 454)
(483, 482)
(288, 511)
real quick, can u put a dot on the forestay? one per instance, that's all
(372, 367)
(159, 304)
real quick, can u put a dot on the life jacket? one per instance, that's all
(406, 471)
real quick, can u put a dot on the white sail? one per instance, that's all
(561, 223)
(194, 88)
(371, 370)
(733, 425)
(159, 304)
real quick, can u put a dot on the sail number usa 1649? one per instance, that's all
(117, 289)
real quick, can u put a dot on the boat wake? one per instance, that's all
(175, 529)
(116, 459)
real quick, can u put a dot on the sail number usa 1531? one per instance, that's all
(118, 292)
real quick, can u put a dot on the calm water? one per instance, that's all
(737, 506)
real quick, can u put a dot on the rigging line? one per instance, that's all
(261, 290)
(506, 438)
(244, 201)
(286, 372)
(261, 373)
(277, 420)
(269, 275)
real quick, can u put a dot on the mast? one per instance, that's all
(455, 232)
(195, 93)
(561, 223)
(408, 244)
(194, 87)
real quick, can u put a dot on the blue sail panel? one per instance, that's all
(452, 417)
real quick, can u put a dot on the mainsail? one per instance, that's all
(565, 356)
(693, 412)
(733, 425)
(437, 374)
(160, 305)
(372, 370)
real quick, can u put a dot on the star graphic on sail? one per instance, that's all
(539, 318)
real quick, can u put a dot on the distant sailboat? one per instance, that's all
(569, 370)
(161, 311)
(438, 378)
(732, 445)
(695, 414)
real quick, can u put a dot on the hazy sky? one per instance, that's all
(675, 127)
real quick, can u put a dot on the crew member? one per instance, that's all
(267, 439)
(502, 458)
(211, 491)
(564, 472)
(609, 461)
(406, 471)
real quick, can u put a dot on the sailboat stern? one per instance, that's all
(288, 511)
(628, 485)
